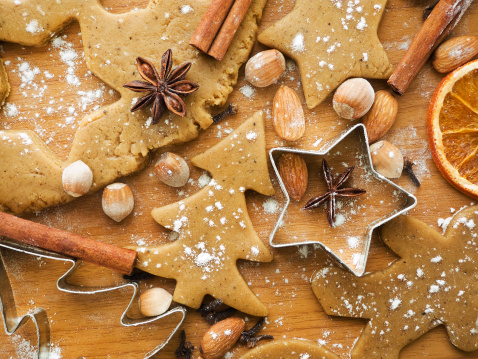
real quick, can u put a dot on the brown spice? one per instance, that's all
(165, 88)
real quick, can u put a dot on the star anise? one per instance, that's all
(334, 191)
(165, 88)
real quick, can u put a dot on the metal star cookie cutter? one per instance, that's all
(39, 317)
(345, 243)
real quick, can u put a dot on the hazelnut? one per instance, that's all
(265, 68)
(386, 159)
(117, 201)
(353, 98)
(77, 178)
(172, 169)
(155, 301)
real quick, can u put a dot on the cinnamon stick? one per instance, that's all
(119, 259)
(228, 30)
(210, 24)
(436, 27)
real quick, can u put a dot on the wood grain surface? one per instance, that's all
(89, 325)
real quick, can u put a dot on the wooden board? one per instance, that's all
(89, 325)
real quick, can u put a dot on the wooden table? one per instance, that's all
(89, 325)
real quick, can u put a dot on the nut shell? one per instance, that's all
(221, 337)
(294, 174)
(386, 159)
(287, 114)
(117, 201)
(454, 53)
(155, 301)
(353, 98)
(265, 68)
(172, 169)
(77, 178)
(381, 116)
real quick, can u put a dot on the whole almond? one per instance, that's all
(287, 114)
(454, 53)
(381, 116)
(265, 68)
(294, 174)
(221, 337)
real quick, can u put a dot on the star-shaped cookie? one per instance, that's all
(331, 40)
(214, 227)
(432, 283)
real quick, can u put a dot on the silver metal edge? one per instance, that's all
(39, 317)
(411, 200)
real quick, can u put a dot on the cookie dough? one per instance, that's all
(290, 349)
(214, 227)
(433, 283)
(112, 141)
(331, 41)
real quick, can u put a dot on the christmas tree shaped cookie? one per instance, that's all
(331, 41)
(433, 283)
(214, 227)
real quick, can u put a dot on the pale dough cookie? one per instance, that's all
(214, 227)
(4, 86)
(331, 40)
(113, 141)
(290, 349)
(433, 283)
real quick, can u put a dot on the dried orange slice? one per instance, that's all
(453, 128)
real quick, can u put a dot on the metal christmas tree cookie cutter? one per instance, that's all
(39, 317)
(409, 201)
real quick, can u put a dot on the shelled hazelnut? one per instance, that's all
(77, 178)
(172, 169)
(117, 201)
(353, 98)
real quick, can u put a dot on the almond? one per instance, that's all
(265, 68)
(293, 171)
(454, 53)
(381, 116)
(287, 114)
(221, 337)
(353, 98)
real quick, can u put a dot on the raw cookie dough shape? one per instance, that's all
(214, 227)
(113, 141)
(331, 41)
(12, 322)
(290, 349)
(433, 283)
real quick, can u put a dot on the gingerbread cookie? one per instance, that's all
(290, 349)
(214, 227)
(113, 141)
(433, 283)
(331, 41)
(4, 86)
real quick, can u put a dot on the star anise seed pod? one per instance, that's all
(165, 88)
(334, 190)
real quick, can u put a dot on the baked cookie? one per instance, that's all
(433, 283)
(290, 349)
(331, 41)
(214, 227)
(113, 141)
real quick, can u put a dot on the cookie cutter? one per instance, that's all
(39, 317)
(410, 202)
